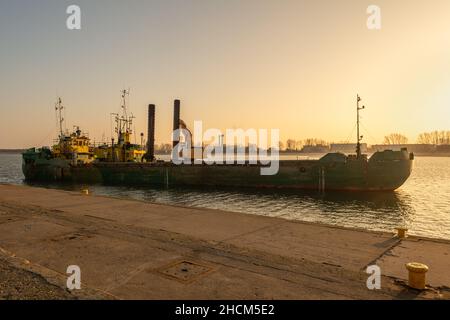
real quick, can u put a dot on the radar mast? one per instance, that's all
(358, 136)
(58, 109)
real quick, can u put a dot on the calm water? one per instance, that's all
(422, 204)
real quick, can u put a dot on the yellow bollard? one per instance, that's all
(416, 276)
(85, 191)
(401, 232)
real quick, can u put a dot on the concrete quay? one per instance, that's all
(130, 249)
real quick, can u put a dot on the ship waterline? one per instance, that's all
(384, 171)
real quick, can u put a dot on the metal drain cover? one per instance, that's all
(185, 271)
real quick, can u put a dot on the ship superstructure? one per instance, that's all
(121, 149)
(74, 146)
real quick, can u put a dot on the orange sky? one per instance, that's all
(293, 65)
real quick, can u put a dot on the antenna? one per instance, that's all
(59, 108)
(124, 123)
(116, 119)
(358, 136)
(124, 119)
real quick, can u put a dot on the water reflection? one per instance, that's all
(368, 210)
(422, 204)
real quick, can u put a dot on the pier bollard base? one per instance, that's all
(417, 275)
(401, 232)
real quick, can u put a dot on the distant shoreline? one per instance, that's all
(438, 154)
(12, 150)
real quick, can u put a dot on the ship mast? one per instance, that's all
(127, 119)
(124, 110)
(123, 121)
(59, 108)
(358, 137)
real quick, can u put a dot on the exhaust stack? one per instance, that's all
(176, 121)
(150, 155)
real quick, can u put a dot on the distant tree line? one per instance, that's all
(395, 138)
(292, 144)
(435, 137)
(163, 148)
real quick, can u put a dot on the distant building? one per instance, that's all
(315, 149)
(419, 148)
(347, 147)
(443, 148)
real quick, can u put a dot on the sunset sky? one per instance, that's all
(288, 64)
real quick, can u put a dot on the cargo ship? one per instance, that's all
(73, 159)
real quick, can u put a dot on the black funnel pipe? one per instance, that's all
(176, 121)
(150, 155)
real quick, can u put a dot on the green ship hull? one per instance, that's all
(384, 171)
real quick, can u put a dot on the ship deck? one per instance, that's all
(171, 164)
(136, 250)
